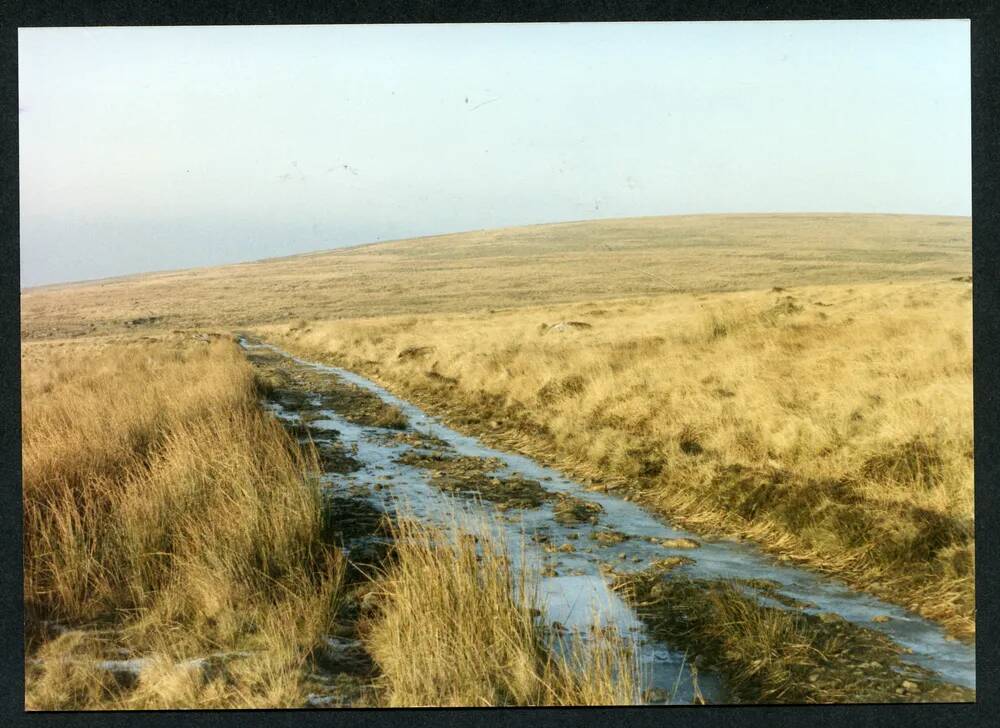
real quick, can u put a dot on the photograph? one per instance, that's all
(493, 365)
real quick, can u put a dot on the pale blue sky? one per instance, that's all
(155, 148)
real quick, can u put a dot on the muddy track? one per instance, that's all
(600, 555)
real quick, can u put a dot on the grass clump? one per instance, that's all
(456, 627)
(165, 518)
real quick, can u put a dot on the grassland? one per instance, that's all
(165, 517)
(514, 267)
(177, 554)
(800, 381)
(831, 424)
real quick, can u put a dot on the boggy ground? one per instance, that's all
(307, 391)
(825, 414)
(758, 639)
(180, 552)
(830, 424)
(775, 654)
(429, 616)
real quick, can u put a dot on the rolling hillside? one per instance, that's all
(534, 265)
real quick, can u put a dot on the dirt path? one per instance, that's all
(601, 556)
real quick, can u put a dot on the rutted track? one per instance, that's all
(575, 538)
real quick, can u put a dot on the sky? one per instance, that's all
(160, 148)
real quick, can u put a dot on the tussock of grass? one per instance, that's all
(161, 503)
(456, 628)
(839, 435)
(390, 417)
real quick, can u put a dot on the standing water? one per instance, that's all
(571, 557)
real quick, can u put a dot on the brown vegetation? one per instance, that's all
(457, 627)
(536, 265)
(166, 516)
(803, 381)
(837, 434)
(177, 555)
(779, 655)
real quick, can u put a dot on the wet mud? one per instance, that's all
(599, 556)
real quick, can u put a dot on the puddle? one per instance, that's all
(573, 554)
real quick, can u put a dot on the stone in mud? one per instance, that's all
(679, 543)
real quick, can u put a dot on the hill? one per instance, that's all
(511, 267)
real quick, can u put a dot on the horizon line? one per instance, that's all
(353, 246)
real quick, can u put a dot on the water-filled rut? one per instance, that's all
(574, 538)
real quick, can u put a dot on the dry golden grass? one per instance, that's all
(830, 423)
(833, 427)
(456, 628)
(163, 507)
(535, 265)
(167, 519)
